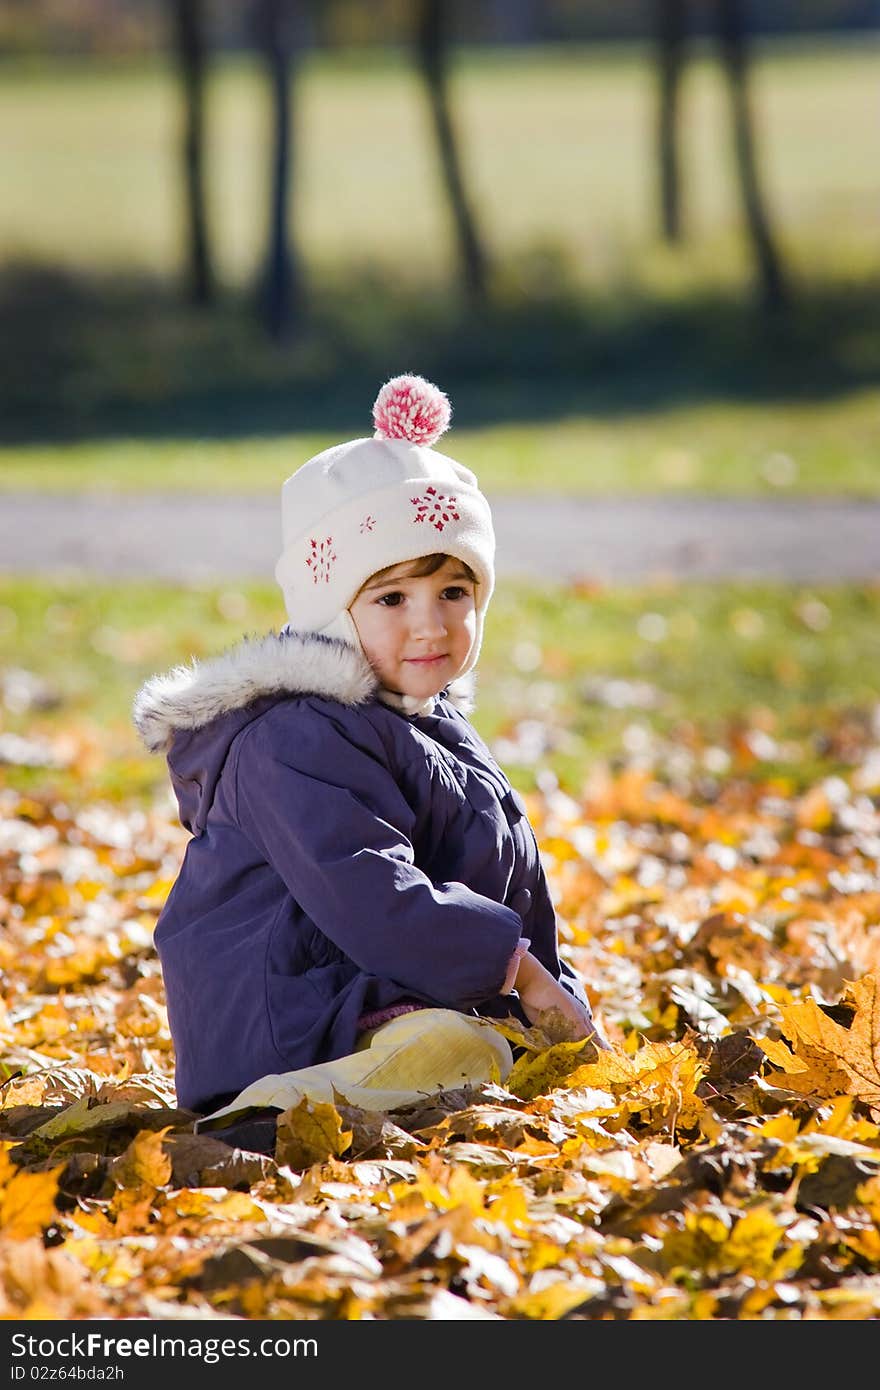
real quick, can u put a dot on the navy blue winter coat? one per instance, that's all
(344, 857)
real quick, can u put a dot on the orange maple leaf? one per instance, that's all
(310, 1132)
(27, 1200)
(144, 1164)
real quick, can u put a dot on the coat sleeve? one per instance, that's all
(329, 816)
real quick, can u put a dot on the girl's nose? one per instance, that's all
(427, 621)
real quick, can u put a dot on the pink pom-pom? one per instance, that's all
(409, 407)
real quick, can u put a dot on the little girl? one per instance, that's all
(363, 892)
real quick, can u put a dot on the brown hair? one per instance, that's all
(422, 565)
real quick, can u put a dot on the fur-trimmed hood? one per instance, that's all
(285, 663)
(279, 663)
(192, 713)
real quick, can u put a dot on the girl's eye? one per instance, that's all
(455, 591)
(390, 600)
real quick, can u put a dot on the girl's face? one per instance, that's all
(417, 631)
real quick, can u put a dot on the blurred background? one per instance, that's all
(231, 220)
(636, 241)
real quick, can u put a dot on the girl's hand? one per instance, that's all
(539, 991)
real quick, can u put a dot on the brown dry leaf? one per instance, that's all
(154, 1090)
(518, 1033)
(21, 1090)
(40, 1283)
(199, 1160)
(53, 1083)
(498, 1122)
(429, 1110)
(374, 1135)
(308, 1133)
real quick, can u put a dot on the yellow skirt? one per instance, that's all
(399, 1062)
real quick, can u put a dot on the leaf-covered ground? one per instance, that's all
(722, 1162)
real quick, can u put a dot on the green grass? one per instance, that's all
(605, 675)
(727, 449)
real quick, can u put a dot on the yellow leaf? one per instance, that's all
(542, 1254)
(842, 1124)
(510, 1206)
(310, 1132)
(838, 1060)
(696, 1245)
(84, 963)
(445, 1189)
(144, 1163)
(210, 1203)
(850, 1304)
(27, 1201)
(865, 1243)
(555, 1300)
(659, 1082)
(134, 1210)
(611, 1071)
(113, 1263)
(699, 1307)
(784, 1127)
(559, 849)
(536, 1148)
(95, 1222)
(552, 1027)
(752, 1244)
(158, 891)
(538, 1072)
(780, 1055)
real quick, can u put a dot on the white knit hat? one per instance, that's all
(361, 506)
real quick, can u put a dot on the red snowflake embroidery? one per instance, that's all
(367, 524)
(436, 508)
(320, 559)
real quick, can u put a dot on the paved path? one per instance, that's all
(205, 538)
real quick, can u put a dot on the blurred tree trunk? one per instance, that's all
(189, 37)
(280, 288)
(670, 19)
(735, 58)
(431, 43)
